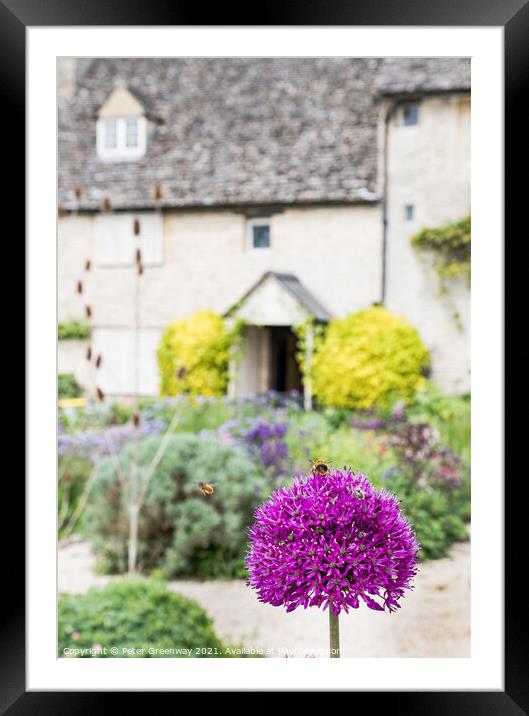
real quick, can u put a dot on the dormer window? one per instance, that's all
(131, 132)
(111, 133)
(121, 137)
(121, 127)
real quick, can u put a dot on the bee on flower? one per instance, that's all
(320, 467)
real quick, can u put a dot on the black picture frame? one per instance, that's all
(513, 15)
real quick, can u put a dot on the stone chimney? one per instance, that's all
(66, 76)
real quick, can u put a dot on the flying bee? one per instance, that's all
(206, 489)
(320, 467)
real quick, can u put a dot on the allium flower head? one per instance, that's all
(331, 540)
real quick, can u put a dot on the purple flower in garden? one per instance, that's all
(265, 441)
(95, 444)
(272, 453)
(399, 410)
(261, 430)
(374, 424)
(331, 540)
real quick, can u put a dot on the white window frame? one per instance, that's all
(265, 220)
(121, 150)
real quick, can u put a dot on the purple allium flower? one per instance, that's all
(331, 540)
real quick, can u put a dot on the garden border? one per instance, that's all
(13, 23)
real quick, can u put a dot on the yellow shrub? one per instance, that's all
(193, 356)
(367, 358)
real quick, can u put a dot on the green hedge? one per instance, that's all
(73, 330)
(67, 386)
(194, 354)
(367, 359)
(439, 517)
(135, 618)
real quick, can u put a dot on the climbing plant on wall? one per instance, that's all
(450, 245)
(302, 331)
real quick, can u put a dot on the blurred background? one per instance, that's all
(261, 262)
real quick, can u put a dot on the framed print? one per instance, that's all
(255, 327)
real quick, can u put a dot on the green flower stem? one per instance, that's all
(334, 634)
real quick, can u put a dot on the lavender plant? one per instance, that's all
(263, 439)
(95, 444)
(266, 441)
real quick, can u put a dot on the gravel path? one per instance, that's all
(434, 620)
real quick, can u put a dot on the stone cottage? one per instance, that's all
(270, 189)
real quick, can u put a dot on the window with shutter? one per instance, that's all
(119, 235)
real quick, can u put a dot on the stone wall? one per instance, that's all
(429, 169)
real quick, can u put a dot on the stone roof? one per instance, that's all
(240, 131)
(303, 297)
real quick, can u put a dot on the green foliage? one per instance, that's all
(312, 435)
(336, 417)
(74, 471)
(134, 614)
(194, 354)
(194, 414)
(439, 516)
(438, 511)
(308, 432)
(73, 330)
(361, 449)
(184, 533)
(450, 245)
(96, 415)
(302, 331)
(119, 414)
(67, 386)
(180, 530)
(448, 414)
(367, 359)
